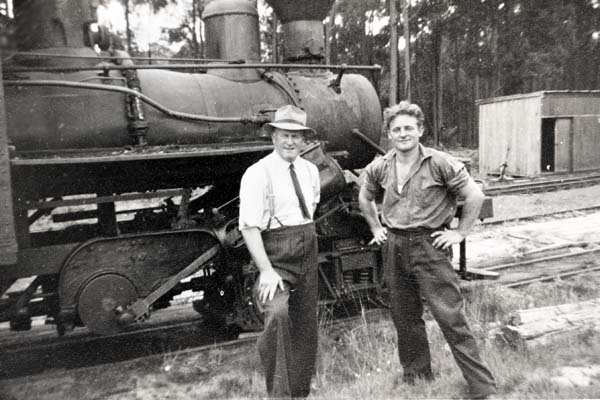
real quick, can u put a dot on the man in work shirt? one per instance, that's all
(420, 188)
(278, 196)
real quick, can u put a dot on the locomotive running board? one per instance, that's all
(139, 310)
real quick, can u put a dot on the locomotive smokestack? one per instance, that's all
(48, 24)
(232, 30)
(302, 23)
(55, 27)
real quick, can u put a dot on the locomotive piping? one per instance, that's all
(368, 141)
(198, 67)
(50, 55)
(277, 80)
(111, 88)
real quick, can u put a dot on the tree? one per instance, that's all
(190, 30)
(129, 5)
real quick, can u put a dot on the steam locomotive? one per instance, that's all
(86, 134)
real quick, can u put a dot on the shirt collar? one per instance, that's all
(280, 162)
(424, 153)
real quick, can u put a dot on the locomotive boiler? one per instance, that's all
(119, 179)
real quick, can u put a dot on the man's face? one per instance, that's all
(288, 144)
(404, 133)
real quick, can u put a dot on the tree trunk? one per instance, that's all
(406, 34)
(329, 33)
(363, 38)
(274, 47)
(195, 45)
(393, 53)
(457, 109)
(436, 42)
(474, 123)
(495, 85)
(127, 27)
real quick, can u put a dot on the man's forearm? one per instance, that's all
(256, 247)
(369, 211)
(469, 214)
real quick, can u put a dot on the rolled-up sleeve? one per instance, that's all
(252, 198)
(371, 177)
(455, 174)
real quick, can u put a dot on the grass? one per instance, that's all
(360, 361)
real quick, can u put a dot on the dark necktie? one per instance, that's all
(303, 207)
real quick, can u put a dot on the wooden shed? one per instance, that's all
(539, 133)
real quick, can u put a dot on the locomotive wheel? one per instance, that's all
(99, 299)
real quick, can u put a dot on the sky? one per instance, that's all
(147, 25)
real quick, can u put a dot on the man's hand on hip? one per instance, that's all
(446, 238)
(379, 236)
(268, 282)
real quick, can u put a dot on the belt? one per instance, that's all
(415, 232)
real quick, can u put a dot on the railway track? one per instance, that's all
(556, 262)
(39, 351)
(149, 345)
(131, 349)
(542, 185)
(589, 209)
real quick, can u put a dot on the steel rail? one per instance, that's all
(554, 184)
(578, 271)
(543, 215)
(523, 263)
(248, 338)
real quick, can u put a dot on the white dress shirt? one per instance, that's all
(254, 205)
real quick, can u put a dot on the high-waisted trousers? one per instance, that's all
(288, 344)
(414, 271)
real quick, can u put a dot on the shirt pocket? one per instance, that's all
(426, 189)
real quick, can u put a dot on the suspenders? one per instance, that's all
(271, 196)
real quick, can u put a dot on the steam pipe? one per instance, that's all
(197, 67)
(368, 141)
(50, 55)
(142, 97)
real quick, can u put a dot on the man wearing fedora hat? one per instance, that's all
(278, 196)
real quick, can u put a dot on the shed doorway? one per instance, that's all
(556, 145)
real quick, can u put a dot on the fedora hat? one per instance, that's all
(289, 118)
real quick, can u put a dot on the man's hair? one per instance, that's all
(402, 108)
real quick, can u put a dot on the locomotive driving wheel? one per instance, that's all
(99, 300)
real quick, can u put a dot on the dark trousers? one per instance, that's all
(288, 345)
(414, 269)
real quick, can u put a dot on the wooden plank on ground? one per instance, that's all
(541, 325)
